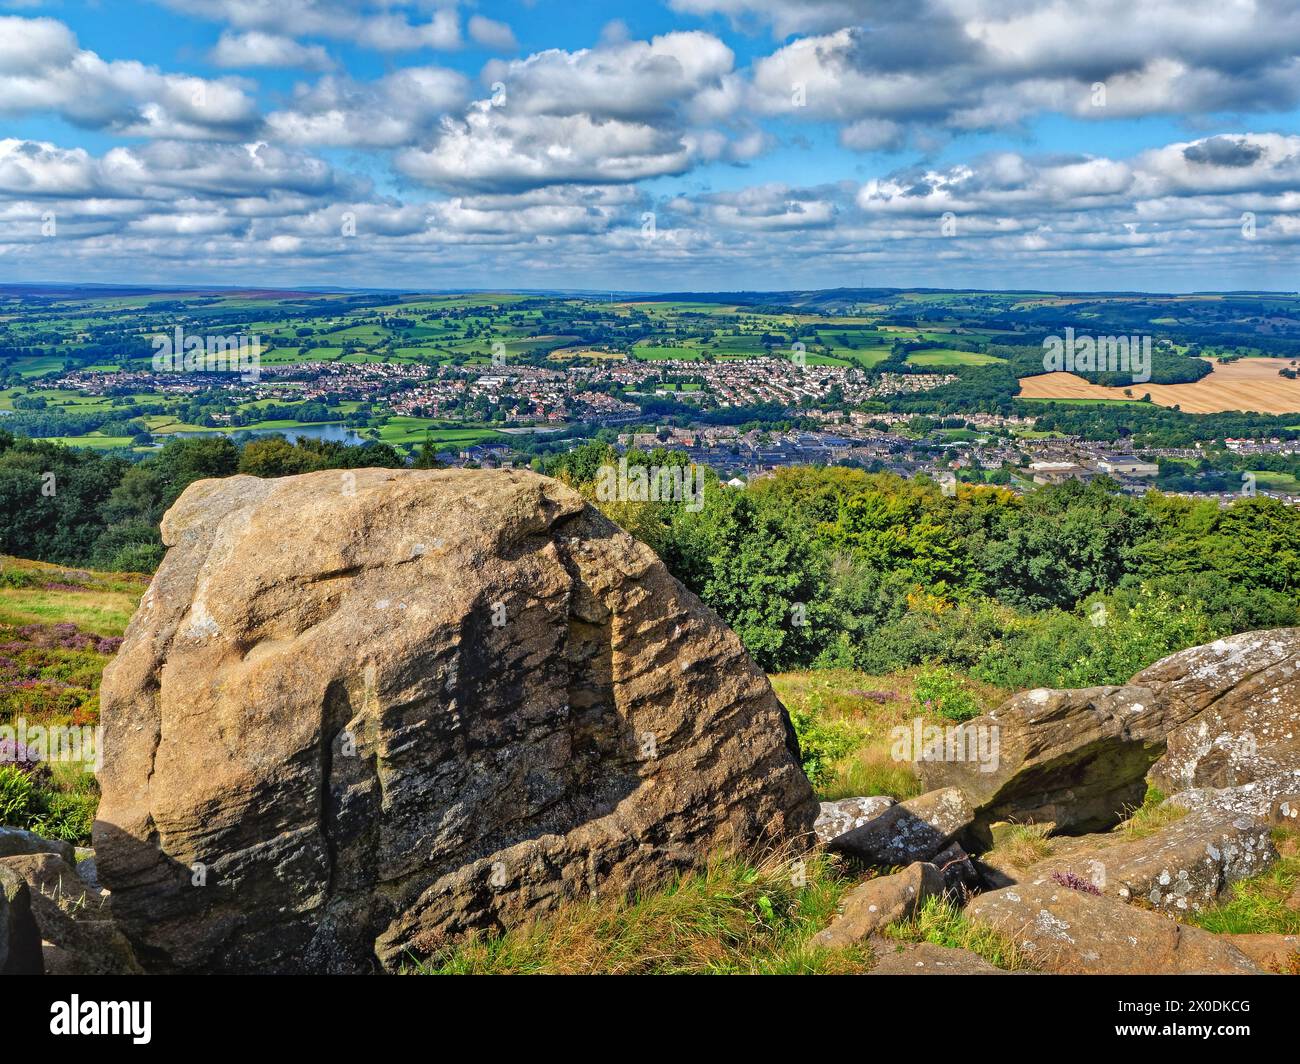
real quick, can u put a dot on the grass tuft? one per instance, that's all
(943, 924)
(731, 917)
(1021, 845)
(1150, 816)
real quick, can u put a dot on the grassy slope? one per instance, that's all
(58, 629)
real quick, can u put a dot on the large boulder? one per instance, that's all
(359, 714)
(1219, 723)
(1070, 759)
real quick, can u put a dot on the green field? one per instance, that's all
(949, 357)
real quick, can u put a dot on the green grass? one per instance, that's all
(100, 603)
(948, 357)
(1276, 481)
(943, 924)
(1151, 816)
(845, 722)
(1020, 845)
(730, 918)
(412, 430)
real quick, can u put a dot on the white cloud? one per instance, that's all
(43, 71)
(492, 34)
(257, 49)
(384, 25)
(621, 112)
(982, 64)
(493, 149)
(396, 110)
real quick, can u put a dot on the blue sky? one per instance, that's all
(704, 144)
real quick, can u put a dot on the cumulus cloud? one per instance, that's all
(765, 208)
(493, 150)
(982, 64)
(384, 25)
(623, 111)
(257, 49)
(391, 112)
(492, 34)
(43, 70)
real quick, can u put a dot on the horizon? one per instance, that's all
(200, 287)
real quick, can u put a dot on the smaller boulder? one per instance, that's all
(1075, 759)
(914, 830)
(836, 818)
(1185, 865)
(72, 918)
(872, 905)
(20, 941)
(15, 842)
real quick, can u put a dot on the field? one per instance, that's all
(948, 357)
(1249, 384)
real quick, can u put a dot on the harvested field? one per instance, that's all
(1249, 384)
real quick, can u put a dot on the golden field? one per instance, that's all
(1249, 384)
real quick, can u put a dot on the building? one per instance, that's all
(1058, 472)
(1126, 465)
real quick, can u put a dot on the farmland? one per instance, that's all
(1245, 384)
(458, 371)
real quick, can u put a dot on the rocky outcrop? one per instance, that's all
(361, 713)
(1071, 759)
(1234, 709)
(1219, 724)
(1182, 867)
(1071, 931)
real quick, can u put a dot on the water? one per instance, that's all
(336, 433)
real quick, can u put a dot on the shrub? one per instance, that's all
(823, 742)
(940, 690)
(16, 796)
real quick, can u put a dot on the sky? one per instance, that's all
(706, 145)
